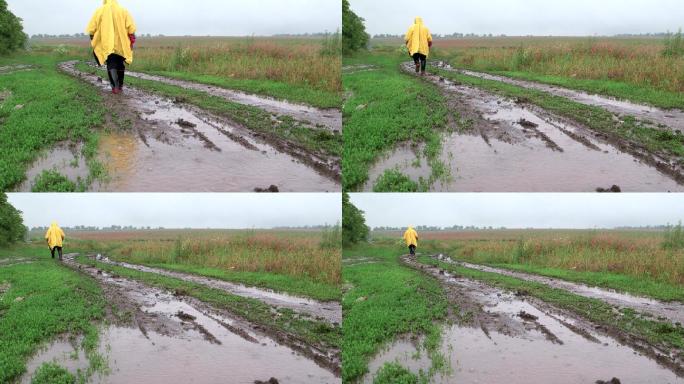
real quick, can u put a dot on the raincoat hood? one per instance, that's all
(417, 20)
(110, 28)
(54, 235)
(418, 38)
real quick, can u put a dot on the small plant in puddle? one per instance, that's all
(53, 181)
(395, 181)
(394, 373)
(51, 373)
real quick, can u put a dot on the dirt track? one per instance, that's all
(498, 144)
(156, 336)
(499, 337)
(160, 145)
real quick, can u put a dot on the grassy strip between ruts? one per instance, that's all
(655, 331)
(384, 108)
(282, 91)
(276, 282)
(620, 90)
(41, 301)
(309, 330)
(385, 301)
(592, 117)
(253, 118)
(40, 107)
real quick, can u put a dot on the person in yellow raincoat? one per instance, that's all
(112, 36)
(411, 239)
(54, 237)
(419, 41)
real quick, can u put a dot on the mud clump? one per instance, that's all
(185, 124)
(527, 123)
(614, 380)
(527, 316)
(184, 316)
(613, 189)
(271, 189)
(272, 380)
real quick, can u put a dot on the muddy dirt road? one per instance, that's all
(673, 311)
(498, 337)
(156, 337)
(161, 145)
(498, 144)
(328, 311)
(672, 119)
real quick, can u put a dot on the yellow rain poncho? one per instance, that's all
(54, 236)
(418, 38)
(110, 26)
(411, 237)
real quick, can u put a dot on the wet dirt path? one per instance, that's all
(674, 311)
(328, 311)
(154, 336)
(496, 336)
(163, 146)
(330, 119)
(673, 119)
(503, 146)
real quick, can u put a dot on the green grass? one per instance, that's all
(386, 107)
(392, 180)
(317, 140)
(53, 107)
(290, 92)
(393, 373)
(621, 283)
(597, 311)
(617, 89)
(249, 309)
(44, 300)
(386, 300)
(280, 283)
(592, 117)
(51, 373)
(53, 181)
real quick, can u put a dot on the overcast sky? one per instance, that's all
(562, 210)
(186, 17)
(204, 210)
(523, 17)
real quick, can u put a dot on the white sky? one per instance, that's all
(523, 17)
(185, 17)
(512, 210)
(177, 210)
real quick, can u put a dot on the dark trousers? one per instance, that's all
(421, 59)
(412, 249)
(116, 70)
(59, 250)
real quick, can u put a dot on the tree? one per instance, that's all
(354, 36)
(12, 227)
(12, 36)
(354, 228)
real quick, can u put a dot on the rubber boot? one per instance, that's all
(114, 79)
(122, 75)
(418, 67)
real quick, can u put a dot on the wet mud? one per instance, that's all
(148, 150)
(502, 145)
(673, 311)
(672, 119)
(155, 336)
(64, 158)
(10, 69)
(496, 336)
(330, 119)
(327, 311)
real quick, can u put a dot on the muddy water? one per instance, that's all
(205, 154)
(505, 155)
(10, 69)
(513, 340)
(328, 118)
(673, 119)
(65, 158)
(330, 311)
(182, 340)
(674, 311)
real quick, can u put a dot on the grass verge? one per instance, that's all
(386, 107)
(385, 301)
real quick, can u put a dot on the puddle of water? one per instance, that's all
(671, 118)
(330, 118)
(531, 159)
(403, 158)
(401, 351)
(330, 311)
(673, 311)
(205, 156)
(64, 158)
